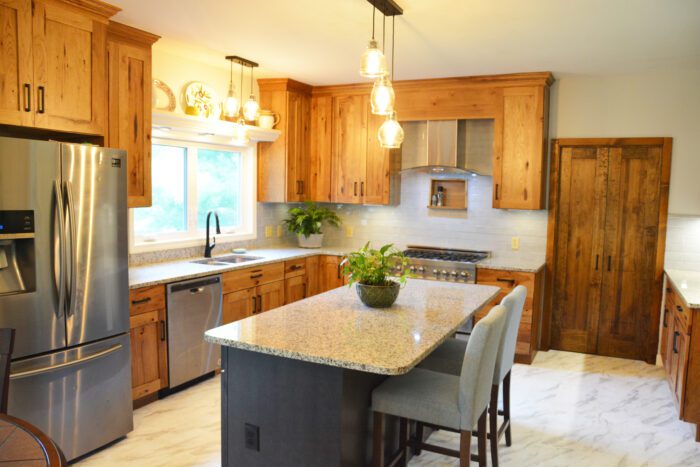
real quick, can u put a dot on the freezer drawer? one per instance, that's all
(80, 397)
(194, 307)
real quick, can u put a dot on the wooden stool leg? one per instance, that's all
(481, 439)
(493, 425)
(506, 407)
(378, 443)
(419, 437)
(403, 441)
(465, 448)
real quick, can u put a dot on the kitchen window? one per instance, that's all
(189, 180)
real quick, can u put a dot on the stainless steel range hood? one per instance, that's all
(448, 145)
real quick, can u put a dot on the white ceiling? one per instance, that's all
(320, 41)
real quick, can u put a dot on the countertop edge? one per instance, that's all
(669, 274)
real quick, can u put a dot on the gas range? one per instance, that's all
(444, 265)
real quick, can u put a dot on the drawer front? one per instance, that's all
(252, 277)
(146, 299)
(675, 302)
(506, 280)
(294, 268)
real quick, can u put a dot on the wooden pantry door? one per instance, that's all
(579, 237)
(631, 236)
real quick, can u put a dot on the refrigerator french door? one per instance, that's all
(64, 289)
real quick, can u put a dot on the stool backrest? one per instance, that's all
(7, 343)
(478, 366)
(514, 303)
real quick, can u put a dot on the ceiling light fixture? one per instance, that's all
(232, 103)
(391, 134)
(382, 97)
(251, 108)
(373, 62)
(240, 132)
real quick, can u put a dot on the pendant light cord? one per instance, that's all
(374, 10)
(384, 35)
(393, 37)
(251, 80)
(241, 91)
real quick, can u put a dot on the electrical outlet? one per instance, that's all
(349, 231)
(252, 437)
(280, 231)
(515, 243)
(268, 231)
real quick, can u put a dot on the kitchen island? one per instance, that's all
(297, 380)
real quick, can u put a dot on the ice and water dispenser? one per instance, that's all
(17, 264)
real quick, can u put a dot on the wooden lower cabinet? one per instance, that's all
(313, 279)
(248, 302)
(295, 289)
(330, 274)
(529, 331)
(149, 345)
(680, 341)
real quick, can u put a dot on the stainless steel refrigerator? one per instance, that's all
(64, 288)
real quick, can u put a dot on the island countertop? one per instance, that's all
(336, 329)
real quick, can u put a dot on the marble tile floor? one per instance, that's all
(568, 410)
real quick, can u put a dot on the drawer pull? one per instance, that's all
(668, 290)
(679, 308)
(508, 281)
(296, 267)
(141, 301)
(675, 336)
(256, 276)
(665, 313)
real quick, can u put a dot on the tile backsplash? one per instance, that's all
(683, 243)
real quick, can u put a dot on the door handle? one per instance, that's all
(596, 262)
(339, 265)
(609, 258)
(362, 188)
(496, 192)
(355, 189)
(141, 301)
(61, 283)
(58, 366)
(162, 330)
(27, 97)
(73, 247)
(260, 304)
(675, 336)
(665, 314)
(255, 304)
(41, 95)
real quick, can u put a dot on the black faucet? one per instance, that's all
(210, 246)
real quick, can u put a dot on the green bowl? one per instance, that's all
(378, 296)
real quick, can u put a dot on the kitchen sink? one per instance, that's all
(226, 260)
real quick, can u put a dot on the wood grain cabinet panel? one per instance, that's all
(349, 148)
(330, 274)
(313, 278)
(17, 103)
(320, 143)
(238, 305)
(295, 289)
(270, 296)
(129, 97)
(149, 345)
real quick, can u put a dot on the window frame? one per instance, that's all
(193, 236)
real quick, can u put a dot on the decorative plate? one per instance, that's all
(201, 100)
(163, 97)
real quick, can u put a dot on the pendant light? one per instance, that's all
(251, 108)
(240, 132)
(232, 103)
(382, 97)
(372, 62)
(390, 133)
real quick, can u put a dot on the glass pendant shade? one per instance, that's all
(373, 63)
(231, 105)
(251, 109)
(240, 133)
(390, 133)
(382, 97)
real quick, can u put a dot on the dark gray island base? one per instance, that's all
(307, 414)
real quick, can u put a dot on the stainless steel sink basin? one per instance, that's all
(226, 260)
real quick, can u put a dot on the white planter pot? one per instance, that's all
(312, 241)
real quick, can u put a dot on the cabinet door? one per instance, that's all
(295, 289)
(520, 150)
(17, 102)
(376, 185)
(331, 276)
(349, 147)
(681, 349)
(130, 115)
(320, 149)
(631, 231)
(666, 316)
(238, 305)
(313, 279)
(298, 108)
(69, 65)
(270, 296)
(148, 344)
(579, 241)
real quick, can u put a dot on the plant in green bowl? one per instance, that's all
(371, 268)
(307, 223)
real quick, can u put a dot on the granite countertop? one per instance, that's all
(336, 329)
(512, 264)
(687, 283)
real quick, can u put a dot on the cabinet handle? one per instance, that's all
(339, 271)
(362, 188)
(509, 281)
(296, 267)
(255, 304)
(496, 191)
(675, 335)
(596, 262)
(162, 330)
(665, 314)
(301, 184)
(42, 93)
(679, 308)
(141, 301)
(260, 304)
(256, 276)
(609, 259)
(355, 189)
(668, 290)
(27, 97)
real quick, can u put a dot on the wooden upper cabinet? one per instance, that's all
(520, 149)
(129, 97)
(283, 165)
(16, 106)
(349, 147)
(320, 144)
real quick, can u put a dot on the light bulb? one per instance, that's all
(240, 133)
(390, 133)
(382, 98)
(373, 63)
(231, 105)
(251, 109)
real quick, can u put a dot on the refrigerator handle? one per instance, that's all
(58, 366)
(61, 282)
(73, 253)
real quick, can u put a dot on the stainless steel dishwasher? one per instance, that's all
(194, 306)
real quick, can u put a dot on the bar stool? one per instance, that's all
(444, 401)
(447, 358)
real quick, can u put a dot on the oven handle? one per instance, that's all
(58, 366)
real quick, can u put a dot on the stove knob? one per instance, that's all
(465, 275)
(453, 274)
(421, 269)
(436, 272)
(443, 272)
(413, 269)
(398, 268)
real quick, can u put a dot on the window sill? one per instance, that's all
(176, 243)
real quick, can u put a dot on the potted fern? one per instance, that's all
(370, 269)
(307, 223)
